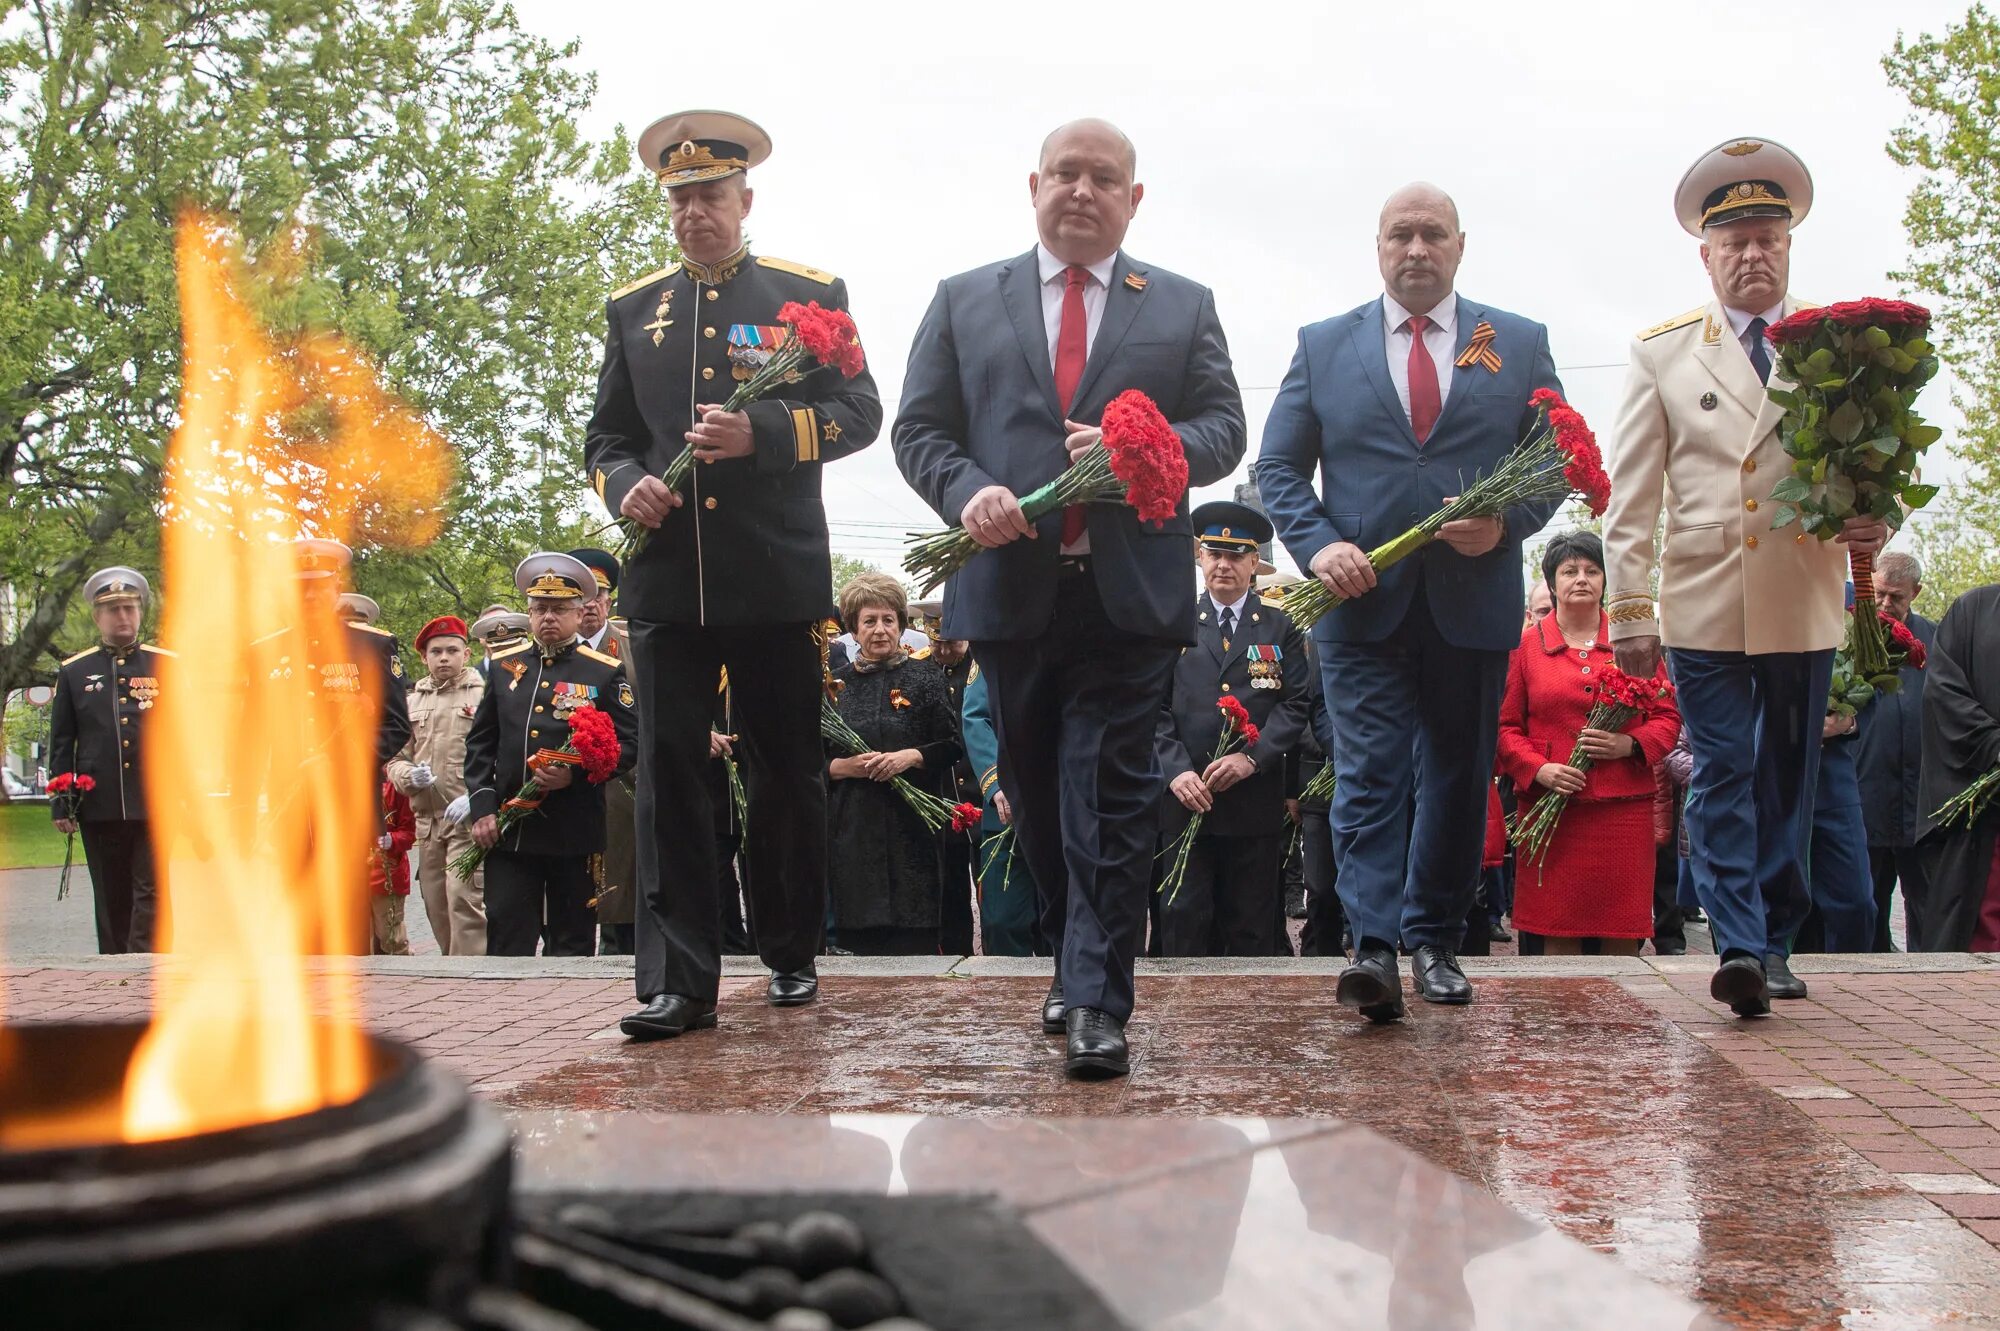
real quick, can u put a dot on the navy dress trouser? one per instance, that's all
(1404, 880)
(1753, 724)
(1843, 889)
(1074, 711)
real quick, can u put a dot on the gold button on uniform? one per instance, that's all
(708, 503)
(538, 707)
(1750, 541)
(534, 734)
(1800, 539)
(1225, 688)
(708, 372)
(1750, 504)
(1750, 464)
(713, 294)
(708, 332)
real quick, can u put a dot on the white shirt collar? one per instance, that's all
(1443, 315)
(1739, 320)
(1235, 607)
(1051, 267)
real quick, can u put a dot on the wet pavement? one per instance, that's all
(1827, 1167)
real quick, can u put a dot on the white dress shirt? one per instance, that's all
(596, 640)
(1055, 280)
(1235, 609)
(1739, 323)
(1440, 339)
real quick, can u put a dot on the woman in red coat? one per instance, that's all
(1594, 880)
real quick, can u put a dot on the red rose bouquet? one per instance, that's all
(66, 791)
(1621, 700)
(814, 339)
(1139, 461)
(937, 813)
(592, 746)
(1559, 457)
(1239, 734)
(1852, 690)
(1853, 371)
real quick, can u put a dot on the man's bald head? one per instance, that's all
(1090, 127)
(1418, 244)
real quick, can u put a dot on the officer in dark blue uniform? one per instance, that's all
(1231, 902)
(97, 729)
(733, 573)
(538, 873)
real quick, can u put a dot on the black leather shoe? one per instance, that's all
(1779, 981)
(1096, 1044)
(793, 988)
(1372, 984)
(1295, 903)
(1667, 947)
(1052, 1010)
(1438, 977)
(667, 1015)
(1739, 982)
(1496, 932)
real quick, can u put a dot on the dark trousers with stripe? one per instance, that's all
(119, 855)
(539, 898)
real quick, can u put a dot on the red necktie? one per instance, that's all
(1424, 402)
(1072, 349)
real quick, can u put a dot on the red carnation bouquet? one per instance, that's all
(66, 791)
(938, 813)
(592, 746)
(815, 339)
(1854, 370)
(1621, 700)
(1239, 733)
(1139, 461)
(1559, 457)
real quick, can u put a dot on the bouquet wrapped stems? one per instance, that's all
(1965, 808)
(1559, 458)
(591, 747)
(1238, 734)
(937, 813)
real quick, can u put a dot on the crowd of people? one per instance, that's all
(1143, 770)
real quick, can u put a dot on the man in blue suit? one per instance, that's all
(1076, 621)
(1396, 409)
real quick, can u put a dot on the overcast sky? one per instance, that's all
(1268, 137)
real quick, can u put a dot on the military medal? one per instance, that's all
(658, 328)
(1265, 670)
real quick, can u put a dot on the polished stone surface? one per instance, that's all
(1178, 1222)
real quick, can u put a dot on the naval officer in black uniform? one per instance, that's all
(97, 728)
(734, 572)
(1231, 902)
(538, 878)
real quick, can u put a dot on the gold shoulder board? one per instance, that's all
(1668, 325)
(595, 655)
(921, 654)
(646, 281)
(272, 637)
(818, 275)
(69, 660)
(1798, 304)
(157, 651)
(515, 650)
(370, 628)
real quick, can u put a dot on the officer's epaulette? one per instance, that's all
(72, 660)
(515, 650)
(596, 655)
(1804, 304)
(157, 651)
(1668, 325)
(645, 281)
(369, 628)
(921, 654)
(819, 275)
(271, 637)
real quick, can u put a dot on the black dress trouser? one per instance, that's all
(774, 685)
(539, 898)
(1230, 902)
(119, 855)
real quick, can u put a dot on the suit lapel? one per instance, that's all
(1208, 628)
(1722, 356)
(1121, 307)
(1371, 347)
(1469, 316)
(1021, 293)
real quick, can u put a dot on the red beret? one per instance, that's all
(444, 626)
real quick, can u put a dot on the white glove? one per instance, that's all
(385, 841)
(458, 810)
(421, 777)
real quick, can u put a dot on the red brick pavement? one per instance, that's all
(1903, 1067)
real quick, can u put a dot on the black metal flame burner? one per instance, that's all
(392, 1214)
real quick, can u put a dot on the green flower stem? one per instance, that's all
(936, 556)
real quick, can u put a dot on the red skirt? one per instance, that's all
(1595, 880)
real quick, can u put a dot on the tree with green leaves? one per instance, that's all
(407, 172)
(1952, 137)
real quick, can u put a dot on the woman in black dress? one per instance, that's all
(883, 872)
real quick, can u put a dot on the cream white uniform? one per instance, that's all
(1697, 435)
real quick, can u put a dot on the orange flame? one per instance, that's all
(264, 795)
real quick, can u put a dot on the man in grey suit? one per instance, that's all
(1076, 621)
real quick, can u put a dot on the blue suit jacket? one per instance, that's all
(1337, 416)
(979, 408)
